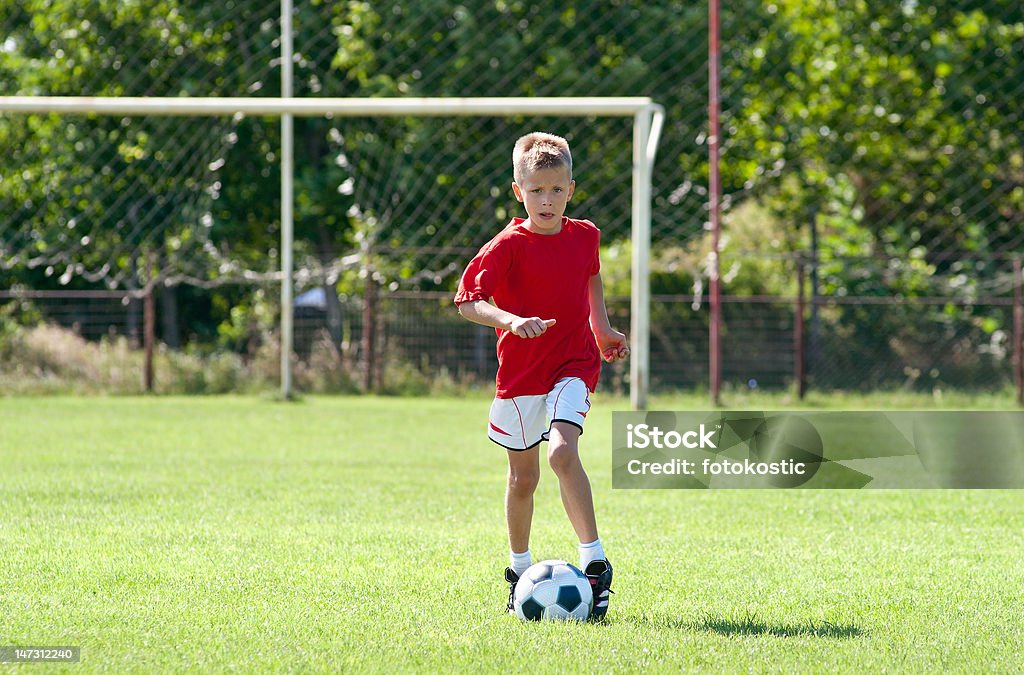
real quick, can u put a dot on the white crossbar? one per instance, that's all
(319, 107)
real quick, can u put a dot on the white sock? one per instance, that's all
(590, 552)
(520, 562)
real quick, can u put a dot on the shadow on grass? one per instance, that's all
(751, 625)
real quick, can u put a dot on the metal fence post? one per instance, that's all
(369, 332)
(1018, 330)
(799, 356)
(149, 334)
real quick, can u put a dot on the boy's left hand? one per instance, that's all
(613, 345)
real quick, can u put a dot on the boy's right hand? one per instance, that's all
(531, 327)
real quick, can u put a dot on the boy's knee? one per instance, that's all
(523, 482)
(562, 456)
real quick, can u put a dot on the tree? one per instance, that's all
(911, 109)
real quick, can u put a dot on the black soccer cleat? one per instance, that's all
(512, 578)
(599, 572)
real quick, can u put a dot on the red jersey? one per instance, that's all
(547, 276)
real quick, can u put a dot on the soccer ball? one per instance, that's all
(553, 589)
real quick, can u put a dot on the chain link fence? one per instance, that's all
(880, 147)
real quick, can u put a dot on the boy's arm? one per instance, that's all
(484, 313)
(612, 343)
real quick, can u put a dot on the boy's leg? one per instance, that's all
(518, 426)
(573, 483)
(578, 499)
(568, 405)
(523, 476)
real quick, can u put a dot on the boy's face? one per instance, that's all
(544, 193)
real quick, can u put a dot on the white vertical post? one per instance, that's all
(640, 291)
(287, 202)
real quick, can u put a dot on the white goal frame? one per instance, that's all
(648, 119)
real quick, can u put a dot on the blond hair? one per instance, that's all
(540, 150)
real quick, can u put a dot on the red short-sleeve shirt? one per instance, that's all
(547, 276)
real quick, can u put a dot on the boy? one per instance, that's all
(542, 274)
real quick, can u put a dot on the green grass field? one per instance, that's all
(367, 534)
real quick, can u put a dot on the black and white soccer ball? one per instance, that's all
(553, 590)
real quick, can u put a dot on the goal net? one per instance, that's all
(396, 194)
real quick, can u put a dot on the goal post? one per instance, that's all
(648, 119)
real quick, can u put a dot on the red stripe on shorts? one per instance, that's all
(500, 431)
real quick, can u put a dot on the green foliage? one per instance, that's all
(10, 331)
(900, 105)
(757, 253)
(894, 129)
(248, 323)
(909, 109)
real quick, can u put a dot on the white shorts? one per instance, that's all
(524, 421)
